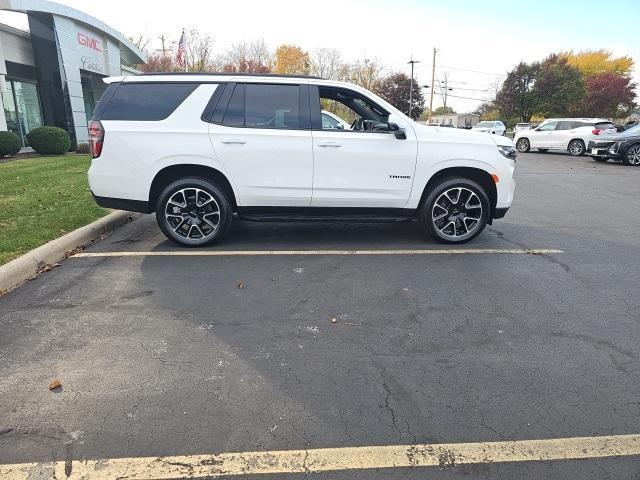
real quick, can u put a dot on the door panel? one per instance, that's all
(268, 149)
(362, 169)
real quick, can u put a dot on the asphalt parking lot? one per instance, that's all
(182, 355)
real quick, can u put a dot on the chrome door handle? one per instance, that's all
(329, 144)
(233, 142)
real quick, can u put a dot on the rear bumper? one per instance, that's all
(123, 204)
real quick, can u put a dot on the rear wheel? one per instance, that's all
(576, 148)
(523, 145)
(455, 211)
(632, 157)
(193, 212)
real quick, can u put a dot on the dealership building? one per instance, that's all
(52, 74)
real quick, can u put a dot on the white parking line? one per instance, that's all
(329, 459)
(247, 253)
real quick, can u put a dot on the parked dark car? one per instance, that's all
(624, 146)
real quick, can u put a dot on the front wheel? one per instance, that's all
(193, 212)
(576, 148)
(632, 157)
(523, 145)
(455, 211)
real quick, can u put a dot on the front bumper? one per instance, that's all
(600, 148)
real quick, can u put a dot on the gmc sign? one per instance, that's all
(87, 41)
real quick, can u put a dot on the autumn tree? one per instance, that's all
(558, 86)
(518, 96)
(159, 62)
(607, 95)
(395, 89)
(596, 62)
(365, 73)
(292, 60)
(444, 111)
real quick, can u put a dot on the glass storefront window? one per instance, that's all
(21, 108)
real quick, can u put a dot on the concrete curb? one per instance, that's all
(23, 268)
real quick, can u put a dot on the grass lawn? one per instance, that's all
(43, 198)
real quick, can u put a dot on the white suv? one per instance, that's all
(202, 149)
(568, 134)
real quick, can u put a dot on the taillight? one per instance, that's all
(96, 138)
(596, 131)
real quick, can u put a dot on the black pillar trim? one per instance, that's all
(52, 80)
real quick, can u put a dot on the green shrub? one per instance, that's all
(49, 140)
(83, 148)
(9, 144)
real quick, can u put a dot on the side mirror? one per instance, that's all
(398, 132)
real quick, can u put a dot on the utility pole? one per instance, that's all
(164, 49)
(433, 84)
(412, 62)
(445, 90)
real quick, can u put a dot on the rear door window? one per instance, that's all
(146, 101)
(272, 106)
(255, 105)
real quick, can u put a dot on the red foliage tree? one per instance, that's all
(607, 95)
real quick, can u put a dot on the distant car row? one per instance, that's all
(568, 134)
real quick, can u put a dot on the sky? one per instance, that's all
(477, 41)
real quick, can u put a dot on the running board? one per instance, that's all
(311, 214)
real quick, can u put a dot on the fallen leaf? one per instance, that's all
(241, 285)
(55, 383)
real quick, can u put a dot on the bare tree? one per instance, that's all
(141, 41)
(327, 63)
(199, 51)
(253, 57)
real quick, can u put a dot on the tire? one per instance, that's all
(454, 204)
(187, 210)
(632, 156)
(576, 148)
(523, 145)
(543, 150)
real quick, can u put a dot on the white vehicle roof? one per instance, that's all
(586, 120)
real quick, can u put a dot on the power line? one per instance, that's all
(471, 71)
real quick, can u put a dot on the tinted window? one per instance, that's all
(272, 106)
(566, 125)
(234, 116)
(146, 101)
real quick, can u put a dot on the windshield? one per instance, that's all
(632, 131)
(485, 124)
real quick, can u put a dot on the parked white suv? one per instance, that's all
(568, 134)
(200, 150)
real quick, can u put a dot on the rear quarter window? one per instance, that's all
(146, 101)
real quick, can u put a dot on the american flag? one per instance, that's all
(182, 51)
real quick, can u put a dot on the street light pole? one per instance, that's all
(433, 82)
(412, 62)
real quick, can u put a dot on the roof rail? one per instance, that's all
(232, 74)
